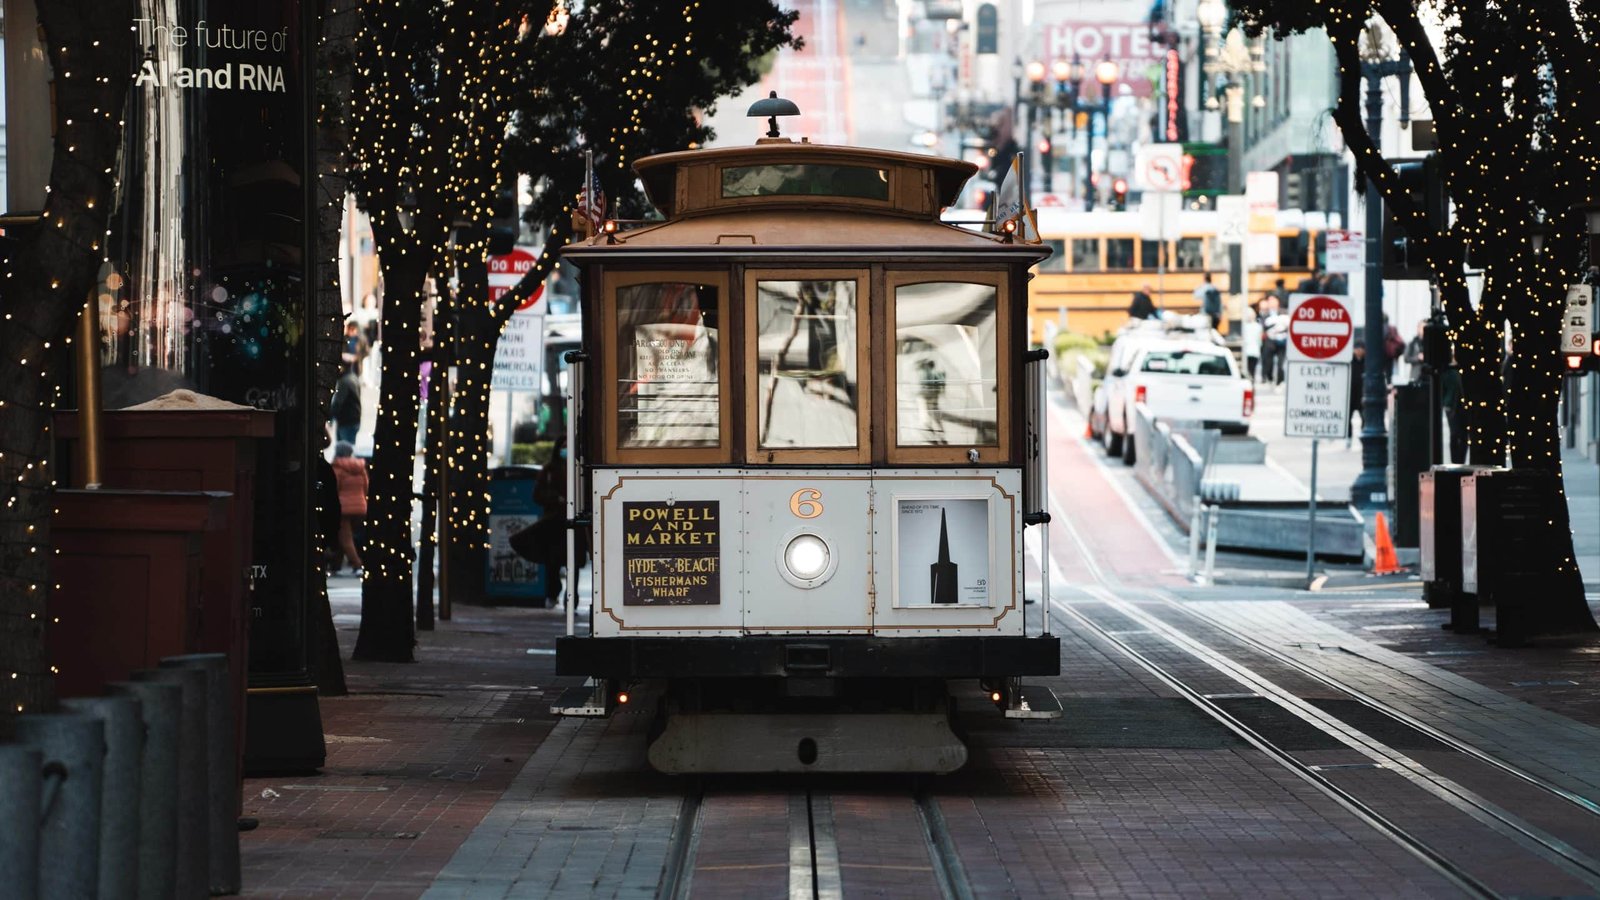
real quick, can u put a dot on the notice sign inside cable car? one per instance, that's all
(671, 553)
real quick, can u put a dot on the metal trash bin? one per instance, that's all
(1439, 532)
(509, 578)
(1507, 557)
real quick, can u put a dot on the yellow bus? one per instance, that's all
(1101, 258)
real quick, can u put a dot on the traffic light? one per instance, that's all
(1578, 365)
(1119, 194)
(1402, 252)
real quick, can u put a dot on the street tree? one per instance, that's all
(623, 79)
(50, 274)
(1511, 88)
(425, 136)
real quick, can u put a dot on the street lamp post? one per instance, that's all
(1371, 488)
(1067, 98)
(1233, 61)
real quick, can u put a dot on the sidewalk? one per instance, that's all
(417, 754)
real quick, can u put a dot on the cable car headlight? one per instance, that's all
(806, 557)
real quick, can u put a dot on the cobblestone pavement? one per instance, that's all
(417, 754)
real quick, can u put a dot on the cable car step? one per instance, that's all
(1034, 701)
(587, 701)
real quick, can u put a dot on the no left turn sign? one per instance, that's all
(1320, 328)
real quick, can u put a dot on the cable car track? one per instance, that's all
(1573, 862)
(811, 859)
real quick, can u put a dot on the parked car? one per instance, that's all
(1182, 380)
(1101, 405)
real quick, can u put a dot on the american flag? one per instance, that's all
(592, 201)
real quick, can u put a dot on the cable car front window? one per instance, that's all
(806, 364)
(806, 179)
(945, 352)
(668, 389)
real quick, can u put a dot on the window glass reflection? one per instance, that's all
(667, 373)
(945, 363)
(806, 364)
(1086, 255)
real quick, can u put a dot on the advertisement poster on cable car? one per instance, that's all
(943, 552)
(671, 553)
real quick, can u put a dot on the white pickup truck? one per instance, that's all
(1187, 381)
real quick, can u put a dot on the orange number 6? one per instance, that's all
(806, 503)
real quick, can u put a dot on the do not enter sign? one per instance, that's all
(1320, 328)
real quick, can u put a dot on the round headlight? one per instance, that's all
(806, 557)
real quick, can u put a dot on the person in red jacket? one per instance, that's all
(351, 473)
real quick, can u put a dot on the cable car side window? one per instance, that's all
(807, 371)
(668, 364)
(945, 365)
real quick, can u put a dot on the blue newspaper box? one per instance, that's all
(510, 578)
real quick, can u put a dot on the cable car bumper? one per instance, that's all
(809, 656)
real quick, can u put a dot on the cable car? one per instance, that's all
(805, 439)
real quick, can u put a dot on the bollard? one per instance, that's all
(1194, 537)
(1211, 544)
(20, 780)
(119, 793)
(222, 790)
(74, 748)
(193, 876)
(160, 705)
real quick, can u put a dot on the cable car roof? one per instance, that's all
(780, 194)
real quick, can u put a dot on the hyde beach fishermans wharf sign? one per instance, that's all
(672, 553)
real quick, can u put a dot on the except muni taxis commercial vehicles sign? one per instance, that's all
(1321, 343)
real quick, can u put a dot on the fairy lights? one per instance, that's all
(1511, 93)
(51, 265)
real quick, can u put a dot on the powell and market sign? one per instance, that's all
(166, 44)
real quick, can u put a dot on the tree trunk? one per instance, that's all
(476, 334)
(387, 627)
(52, 275)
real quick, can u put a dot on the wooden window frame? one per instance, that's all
(953, 454)
(861, 453)
(612, 281)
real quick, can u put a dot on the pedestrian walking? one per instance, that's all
(1414, 355)
(1142, 307)
(1455, 414)
(1358, 368)
(345, 409)
(1275, 327)
(545, 541)
(1250, 341)
(1209, 299)
(351, 473)
(1394, 346)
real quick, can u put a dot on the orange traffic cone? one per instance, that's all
(1385, 563)
(1088, 430)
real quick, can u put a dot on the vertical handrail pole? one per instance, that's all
(1044, 498)
(1311, 527)
(574, 376)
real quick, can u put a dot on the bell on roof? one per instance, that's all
(773, 107)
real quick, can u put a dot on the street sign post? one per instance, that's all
(1321, 333)
(1577, 324)
(1346, 251)
(1233, 219)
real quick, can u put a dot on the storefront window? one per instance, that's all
(945, 351)
(668, 390)
(806, 339)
